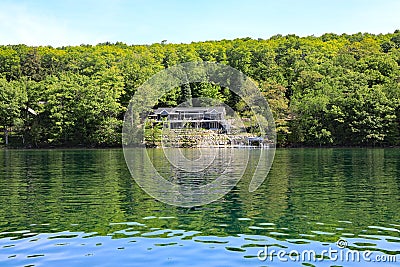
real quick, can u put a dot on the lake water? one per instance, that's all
(82, 208)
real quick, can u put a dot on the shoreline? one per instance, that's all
(222, 147)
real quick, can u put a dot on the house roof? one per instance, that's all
(177, 110)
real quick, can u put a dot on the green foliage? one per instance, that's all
(153, 133)
(328, 90)
(12, 104)
(9, 63)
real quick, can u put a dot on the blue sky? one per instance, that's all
(74, 22)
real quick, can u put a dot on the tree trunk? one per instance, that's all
(6, 135)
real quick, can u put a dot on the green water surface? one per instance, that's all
(82, 208)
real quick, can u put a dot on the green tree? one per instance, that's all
(9, 63)
(12, 103)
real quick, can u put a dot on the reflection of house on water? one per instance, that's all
(201, 127)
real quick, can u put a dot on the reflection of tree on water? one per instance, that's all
(326, 190)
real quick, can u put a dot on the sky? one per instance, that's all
(74, 22)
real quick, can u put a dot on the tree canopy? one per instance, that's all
(331, 90)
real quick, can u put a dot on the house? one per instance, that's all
(210, 118)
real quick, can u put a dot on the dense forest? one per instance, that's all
(332, 90)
